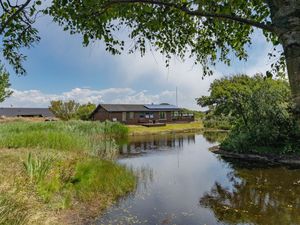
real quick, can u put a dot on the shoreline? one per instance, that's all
(290, 160)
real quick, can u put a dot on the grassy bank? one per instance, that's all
(169, 128)
(59, 172)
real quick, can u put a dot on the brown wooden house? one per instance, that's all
(141, 114)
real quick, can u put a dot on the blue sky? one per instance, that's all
(59, 67)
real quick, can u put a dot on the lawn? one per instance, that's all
(169, 128)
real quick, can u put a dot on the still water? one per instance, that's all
(181, 182)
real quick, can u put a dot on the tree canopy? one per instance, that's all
(258, 107)
(208, 31)
(67, 110)
(17, 30)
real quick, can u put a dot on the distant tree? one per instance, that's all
(64, 110)
(84, 111)
(4, 84)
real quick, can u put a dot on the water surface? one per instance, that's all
(181, 182)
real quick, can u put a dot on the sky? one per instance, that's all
(60, 68)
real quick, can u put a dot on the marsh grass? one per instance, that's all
(64, 136)
(54, 166)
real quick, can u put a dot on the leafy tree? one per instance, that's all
(64, 110)
(259, 107)
(84, 111)
(17, 31)
(207, 30)
(4, 84)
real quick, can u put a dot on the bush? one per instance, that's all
(216, 123)
(260, 110)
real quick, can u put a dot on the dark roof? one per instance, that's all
(137, 107)
(11, 112)
(124, 107)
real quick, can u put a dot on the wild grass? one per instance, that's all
(37, 168)
(71, 135)
(93, 176)
(12, 212)
(53, 166)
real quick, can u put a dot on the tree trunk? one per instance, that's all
(285, 15)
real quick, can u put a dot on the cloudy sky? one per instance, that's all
(60, 68)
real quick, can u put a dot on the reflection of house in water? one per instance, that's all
(156, 142)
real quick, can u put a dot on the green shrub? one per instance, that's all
(217, 124)
(261, 113)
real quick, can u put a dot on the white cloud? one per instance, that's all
(37, 98)
(137, 80)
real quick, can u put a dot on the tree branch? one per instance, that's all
(11, 18)
(197, 13)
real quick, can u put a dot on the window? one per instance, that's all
(131, 115)
(175, 114)
(123, 116)
(142, 115)
(149, 115)
(162, 115)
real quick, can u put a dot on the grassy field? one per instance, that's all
(59, 172)
(169, 128)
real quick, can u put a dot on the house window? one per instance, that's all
(123, 116)
(149, 115)
(175, 114)
(131, 115)
(142, 115)
(162, 115)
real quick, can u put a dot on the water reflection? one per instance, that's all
(144, 144)
(215, 136)
(181, 182)
(256, 196)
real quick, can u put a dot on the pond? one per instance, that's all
(181, 182)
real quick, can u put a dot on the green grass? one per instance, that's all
(92, 176)
(96, 138)
(59, 169)
(175, 127)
